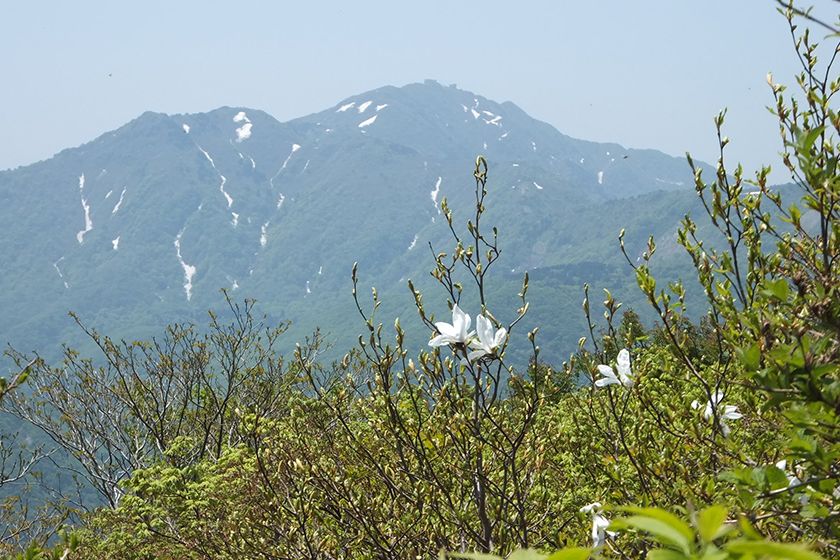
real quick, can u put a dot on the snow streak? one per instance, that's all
(119, 202)
(435, 192)
(80, 236)
(189, 270)
(264, 234)
(368, 122)
(60, 275)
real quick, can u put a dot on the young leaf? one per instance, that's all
(710, 522)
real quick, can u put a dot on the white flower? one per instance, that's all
(456, 333)
(599, 524)
(729, 412)
(792, 479)
(488, 338)
(589, 508)
(624, 373)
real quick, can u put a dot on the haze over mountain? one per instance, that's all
(144, 225)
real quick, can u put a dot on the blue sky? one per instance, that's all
(644, 74)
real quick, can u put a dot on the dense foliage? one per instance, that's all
(711, 439)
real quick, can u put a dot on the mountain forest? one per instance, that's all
(423, 324)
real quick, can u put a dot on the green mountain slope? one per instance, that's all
(144, 225)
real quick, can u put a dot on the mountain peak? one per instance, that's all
(144, 224)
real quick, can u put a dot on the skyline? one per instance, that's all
(645, 77)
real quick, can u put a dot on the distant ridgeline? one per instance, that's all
(144, 225)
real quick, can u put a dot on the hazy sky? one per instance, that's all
(644, 74)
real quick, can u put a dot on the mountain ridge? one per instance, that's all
(144, 224)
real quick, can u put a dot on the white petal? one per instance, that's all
(465, 328)
(624, 363)
(440, 340)
(606, 381)
(731, 413)
(445, 328)
(724, 429)
(589, 507)
(484, 329)
(458, 320)
(607, 371)
(600, 521)
(501, 334)
(476, 354)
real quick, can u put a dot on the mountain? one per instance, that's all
(144, 225)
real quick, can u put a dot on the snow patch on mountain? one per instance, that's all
(80, 236)
(60, 275)
(280, 201)
(368, 122)
(189, 270)
(380, 107)
(119, 202)
(600, 177)
(186, 128)
(538, 186)
(116, 243)
(363, 107)
(224, 192)
(243, 132)
(413, 242)
(264, 234)
(203, 151)
(235, 219)
(434, 193)
(345, 107)
(295, 147)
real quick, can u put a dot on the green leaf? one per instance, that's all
(780, 551)
(666, 517)
(713, 553)
(806, 141)
(710, 522)
(576, 553)
(666, 554)
(776, 477)
(751, 356)
(748, 529)
(814, 511)
(777, 288)
(662, 531)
